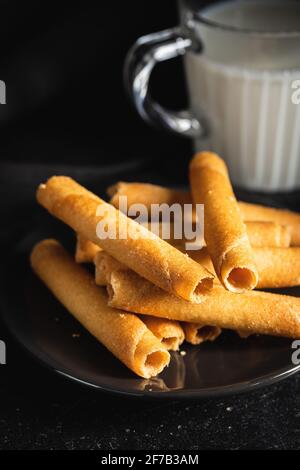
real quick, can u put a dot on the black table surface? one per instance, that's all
(41, 410)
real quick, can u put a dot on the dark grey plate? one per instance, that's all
(45, 328)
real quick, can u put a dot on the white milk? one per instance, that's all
(241, 85)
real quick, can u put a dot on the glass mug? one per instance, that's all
(242, 63)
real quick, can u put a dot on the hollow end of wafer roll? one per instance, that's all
(150, 359)
(124, 334)
(240, 279)
(225, 232)
(171, 343)
(169, 332)
(238, 274)
(196, 333)
(201, 288)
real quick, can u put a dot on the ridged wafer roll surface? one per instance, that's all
(224, 231)
(125, 335)
(196, 333)
(277, 267)
(252, 312)
(126, 240)
(85, 250)
(153, 194)
(169, 332)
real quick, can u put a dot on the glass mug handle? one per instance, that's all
(140, 61)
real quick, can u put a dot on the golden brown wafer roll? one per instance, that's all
(252, 312)
(257, 212)
(104, 266)
(277, 267)
(171, 335)
(147, 194)
(85, 250)
(260, 234)
(125, 335)
(268, 234)
(153, 194)
(224, 231)
(169, 332)
(197, 333)
(202, 256)
(131, 244)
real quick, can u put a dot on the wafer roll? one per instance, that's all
(197, 333)
(256, 212)
(152, 194)
(277, 267)
(268, 234)
(125, 335)
(224, 231)
(104, 266)
(193, 332)
(127, 241)
(169, 332)
(85, 250)
(250, 312)
(147, 194)
(260, 234)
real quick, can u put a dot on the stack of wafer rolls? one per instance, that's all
(149, 292)
(250, 312)
(132, 293)
(149, 194)
(260, 234)
(85, 250)
(225, 232)
(277, 266)
(126, 336)
(172, 334)
(169, 332)
(129, 242)
(197, 333)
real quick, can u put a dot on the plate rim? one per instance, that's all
(180, 394)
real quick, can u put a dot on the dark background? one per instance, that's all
(62, 63)
(67, 112)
